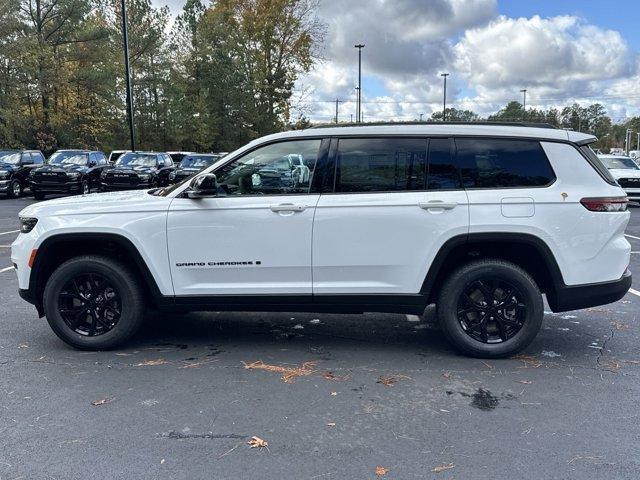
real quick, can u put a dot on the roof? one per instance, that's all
(511, 130)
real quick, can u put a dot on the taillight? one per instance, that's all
(605, 204)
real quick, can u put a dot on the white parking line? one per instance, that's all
(11, 268)
(631, 236)
(635, 292)
(7, 233)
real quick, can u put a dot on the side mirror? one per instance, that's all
(92, 163)
(203, 186)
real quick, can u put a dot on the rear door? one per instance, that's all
(388, 215)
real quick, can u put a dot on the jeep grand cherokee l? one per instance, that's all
(135, 170)
(68, 171)
(15, 166)
(481, 220)
(191, 164)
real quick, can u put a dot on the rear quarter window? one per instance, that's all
(503, 163)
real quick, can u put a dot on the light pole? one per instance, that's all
(421, 116)
(638, 142)
(125, 38)
(337, 102)
(524, 102)
(444, 100)
(359, 46)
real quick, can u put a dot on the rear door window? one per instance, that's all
(502, 163)
(442, 172)
(381, 165)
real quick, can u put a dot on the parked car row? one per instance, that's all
(82, 171)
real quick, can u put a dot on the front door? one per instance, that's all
(254, 238)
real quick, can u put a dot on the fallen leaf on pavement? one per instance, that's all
(381, 471)
(288, 373)
(619, 325)
(389, 381)
(151, 363)
(446, 375)
(443, 468)
(528, 360)
(334, 377)
(333, 394)
(525, 382)
(102, 401)
(489, 366)
(257, 442)
(23, 345)
(331, 424)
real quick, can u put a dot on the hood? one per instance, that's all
(624, 173)
(8, 167)
(62, 168)
(97, 203)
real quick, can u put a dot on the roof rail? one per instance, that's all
(378, 124)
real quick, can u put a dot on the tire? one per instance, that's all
(84, 188)
(38, 195)
(130, 302)
(463, 319)
(15, 189)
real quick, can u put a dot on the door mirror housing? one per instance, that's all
(203, 186)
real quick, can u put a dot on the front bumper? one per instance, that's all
(109, 187)
(66, 187)
(4, 185)
(575, 297)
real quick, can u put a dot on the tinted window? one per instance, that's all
(38, 159)
(272, 169)
(381, 164)
(442, 172)
(497, 163)
(27, 158)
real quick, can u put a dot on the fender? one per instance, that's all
(495, 238)
(36, 286)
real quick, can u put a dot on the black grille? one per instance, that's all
(50, 177)
(629, 182)
(122, 178)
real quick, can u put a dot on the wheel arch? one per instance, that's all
(526, 250)
(55, 250)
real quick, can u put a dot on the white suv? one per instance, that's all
(479, 219)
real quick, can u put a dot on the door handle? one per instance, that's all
(437, 204)
(287, 207)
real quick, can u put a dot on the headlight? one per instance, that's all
(32, 173)
(103, 174)
(144, 176)
(73, 175)
(4, 174)
(27, 224)
(172, 176)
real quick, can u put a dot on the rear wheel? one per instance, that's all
(93, 303)
(15, 188)
(490, 309)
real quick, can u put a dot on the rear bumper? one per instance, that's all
(575, 297)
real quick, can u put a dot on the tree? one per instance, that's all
(455, 115)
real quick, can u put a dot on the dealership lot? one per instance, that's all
(363, 391)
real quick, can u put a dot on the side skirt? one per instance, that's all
(412, 304)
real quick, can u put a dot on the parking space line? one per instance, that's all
(631, 236)
(11, 268)
(7, 233)
(635, 292)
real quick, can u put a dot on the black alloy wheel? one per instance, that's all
(491, 310)
(89, 304)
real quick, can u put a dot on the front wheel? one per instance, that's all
(85, 187)
(93, 303)
(490, 309)
(15, 188)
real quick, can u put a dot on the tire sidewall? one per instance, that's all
(12, 193)
(130, 305)
(448, 307)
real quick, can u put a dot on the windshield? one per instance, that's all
(197, 161)
(137, 160)
(68, 158)
(7, 156)
(622, 163)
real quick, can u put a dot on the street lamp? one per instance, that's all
(359, 46)
(125, 38)
(524, 102)
(444, 101)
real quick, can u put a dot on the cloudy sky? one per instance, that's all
(559, 50)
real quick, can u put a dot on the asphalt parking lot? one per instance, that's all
(364, 393)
